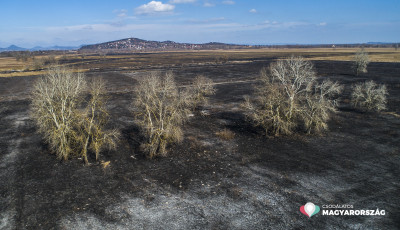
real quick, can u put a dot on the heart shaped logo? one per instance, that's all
(309, 209)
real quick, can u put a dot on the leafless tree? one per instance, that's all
(319, 104)
(289, 95)
(161, 108)
(369, 96)
(161, 111)
(200, 89)
(93, 135)
(57, 101)
(295, 76)
(361, 61)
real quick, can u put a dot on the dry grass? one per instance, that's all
(375, 54)
(225, 134)
(9, 63)
(195, 143)
(36, 73)
(10, 67)
(393, 114)
(176, 58)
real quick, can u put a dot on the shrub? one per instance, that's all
(289, 96)
(369, 96)
(221, 59)
(49, 60)
(22, 55)
(56, 101)
(225, 134)
(37, 64)
(361, 61)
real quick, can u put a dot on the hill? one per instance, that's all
(136, 44)
(12, 48)
(37, 48)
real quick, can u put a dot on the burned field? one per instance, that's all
(212, 180)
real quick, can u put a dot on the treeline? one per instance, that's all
(355, 45)
(29, 54)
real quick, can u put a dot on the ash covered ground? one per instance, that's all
(249, 182)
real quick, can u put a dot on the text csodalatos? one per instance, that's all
(376, 212)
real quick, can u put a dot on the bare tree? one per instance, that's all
(369, 96)
(57, 100)
(200, 89)
(161, 108)
(361, 61)
(294, 75)
(319, 104)
(95, 116)
(288, 95)
(161, 111)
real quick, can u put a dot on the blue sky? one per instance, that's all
(29, 23)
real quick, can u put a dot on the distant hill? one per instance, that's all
(136, 44)
(12, 48)
(37, 48)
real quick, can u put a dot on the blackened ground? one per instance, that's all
(249, 182)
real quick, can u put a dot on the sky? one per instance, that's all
(29, 23)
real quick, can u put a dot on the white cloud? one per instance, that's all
(253, 11)
(207, 4)
(206, 21)
(154, 7)
(323, 24)
(212, 29)
(181, 1)
(121, 13)
(279, 25)
(194, 25)
(228, 2)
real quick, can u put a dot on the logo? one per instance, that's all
(309, 209)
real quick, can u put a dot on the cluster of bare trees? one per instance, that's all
(71, 113)
(70, 124)
(289, 97)
(162, 108)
